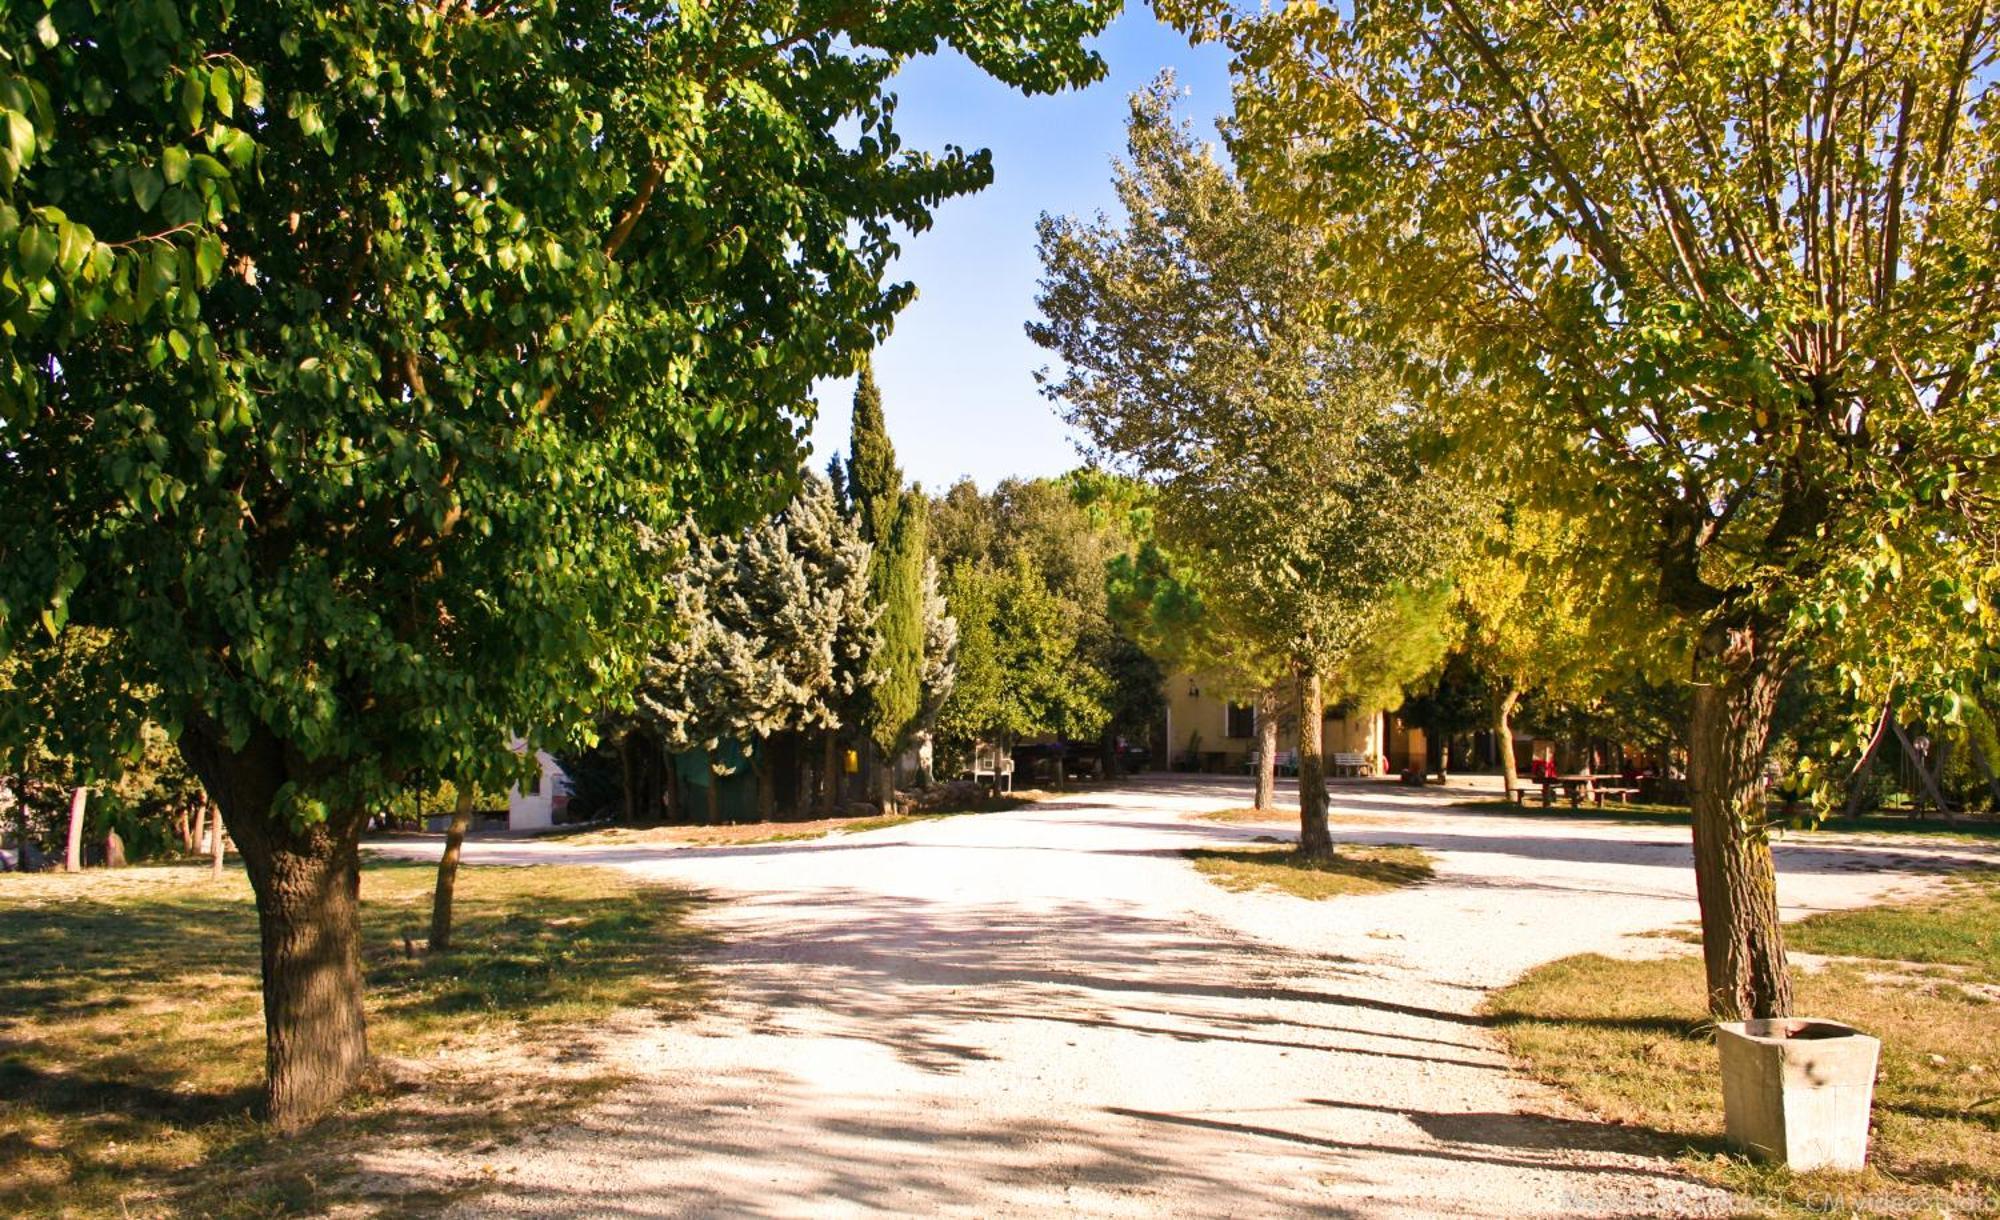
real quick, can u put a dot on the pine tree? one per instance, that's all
(772, 631)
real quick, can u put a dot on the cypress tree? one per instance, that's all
(893, 521)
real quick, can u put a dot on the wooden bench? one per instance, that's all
(1346, 763)
(1622, 795)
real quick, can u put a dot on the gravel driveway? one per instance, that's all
(1048, 1011)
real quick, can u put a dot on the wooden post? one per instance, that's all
(73, 858)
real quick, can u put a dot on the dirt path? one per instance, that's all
(1047, 1011)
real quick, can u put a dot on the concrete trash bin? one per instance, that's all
(1797, 1090)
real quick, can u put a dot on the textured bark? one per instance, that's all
(829, 776)
(1742, 943)
(885, 781)
(670, 783)
(765, 776)
(73, 857)
(216, 843)
(1503, 731)
(713, 795)
(447, 878)
(628, 778)
(1267, 749)
(1315, 840)
(307, 881)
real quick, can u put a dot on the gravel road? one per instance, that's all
(1048, 1012)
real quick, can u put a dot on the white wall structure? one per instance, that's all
(544, 797)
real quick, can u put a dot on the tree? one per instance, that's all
(1548, 610)
(1732, 265)
(1286, 460)
(1156, 601)
(1065, 669)
(940, 658)
(447, 874)
(346, 348)
(893, 520)
(770, 631)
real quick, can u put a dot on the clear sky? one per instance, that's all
(957, 374)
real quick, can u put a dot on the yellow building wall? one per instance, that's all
(1191, 709)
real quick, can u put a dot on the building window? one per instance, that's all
(534, 785)
(1242, 721)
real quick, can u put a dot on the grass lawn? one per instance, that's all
(131, 1033)
(743, 834)
(1354, 869)
(1630, 1041)
(1984, 829)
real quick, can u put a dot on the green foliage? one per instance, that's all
(894, 521)
(896, 700)
(1286, 464)
(347, 351)
(771, 628)
(1025, 577)
(1725, 266)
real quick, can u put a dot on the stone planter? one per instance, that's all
(1797, 1090)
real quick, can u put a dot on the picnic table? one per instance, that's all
(1576, 788)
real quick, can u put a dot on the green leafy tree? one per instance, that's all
(1063, 533)
(1732, 264)
(1286, 462)
(1156, 601)
(346, 347)
(1549, 610)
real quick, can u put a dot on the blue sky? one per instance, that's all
(957, 375)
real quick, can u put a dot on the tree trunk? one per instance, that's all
(670, 779)
(628, 779)
(766, 780)
(1267, 749)
(885, 781)
(307, 882)
(1742, 942)
(713, 794)
(1315, 840)
(1503, 731)
(73, 858)
(215, 840)
(20, 826)
(829, 775)
(447, 878)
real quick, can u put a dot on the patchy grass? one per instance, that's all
(131, 1033)
(1968, 829)
(1289, 817)
(1630, 1041)
(1354, 869)
(1960, 927)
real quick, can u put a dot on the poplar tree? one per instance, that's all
(1286, 460)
